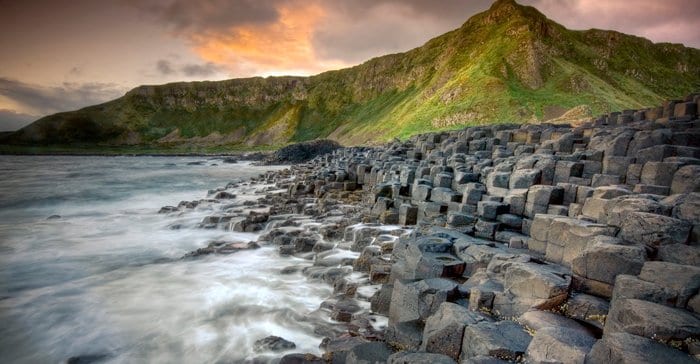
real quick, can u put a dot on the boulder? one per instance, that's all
(652, 320)
(568, 237)
(559, 345)
(444, 330)
(524, 178)
(536, 320)
(368, 353)
(530, 285)
(298, 358)
(503, 339)
(412, 357)
(587, 308)
(616, 209)
(659, 173)
(415, 301)
(682, 280)
(605, 258)
(627, 286)
(625, 348)
(686, 180)
(273, 343)
(655, 230)
(680, 254)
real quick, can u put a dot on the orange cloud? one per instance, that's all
(281, 47)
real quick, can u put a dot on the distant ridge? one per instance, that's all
(507, 64)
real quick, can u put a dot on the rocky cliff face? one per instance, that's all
(508, 64)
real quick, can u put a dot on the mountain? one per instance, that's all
(507, 64)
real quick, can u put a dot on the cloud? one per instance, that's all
(43, 100)
(11, 120)
(251, 37)
(200, 70)
(164, 67)
(192, 70)
(660, 21)
(206, 15)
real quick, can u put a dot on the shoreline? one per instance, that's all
(534, 242)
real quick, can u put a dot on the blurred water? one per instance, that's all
(105, 279)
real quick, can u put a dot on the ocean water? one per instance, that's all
(89, 269)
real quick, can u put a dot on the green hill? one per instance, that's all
(507, 64)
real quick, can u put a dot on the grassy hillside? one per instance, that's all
(508, 64)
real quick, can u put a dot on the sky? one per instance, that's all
(60, 55)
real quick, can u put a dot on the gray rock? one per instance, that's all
(490, 210)
(649, 319)
(472, 193)
(659, 173)
(524, 178)
(536, 320)
(504, 340)
(444, 330)
(273, 343)
(411, 357)
(412, 301)
(606, 258)
(589, 309)
(686, 180)
(680, 254)
(298, 358)
(625, 348)
(682, 280)
(404, 335)
(653, 229)
(530, 285)
(368, 353)
(559, 345)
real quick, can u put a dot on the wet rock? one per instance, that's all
(88, 359)
(222, 247)
(223, 195)
(301, 359)
(273, 343)
(368, 353)
(337, 349)
(163, 210)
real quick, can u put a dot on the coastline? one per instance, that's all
(500, 243)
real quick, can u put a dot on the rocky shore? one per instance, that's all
(501, 243)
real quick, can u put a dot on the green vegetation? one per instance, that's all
(508, 64)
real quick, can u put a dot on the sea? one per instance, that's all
(91, 272)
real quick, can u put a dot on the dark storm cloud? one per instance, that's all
(44, 100)
(11, 120)
(203, 15)
(200, 70)
(167, 68)
(164, 67)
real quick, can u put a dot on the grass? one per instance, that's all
(484, 72)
